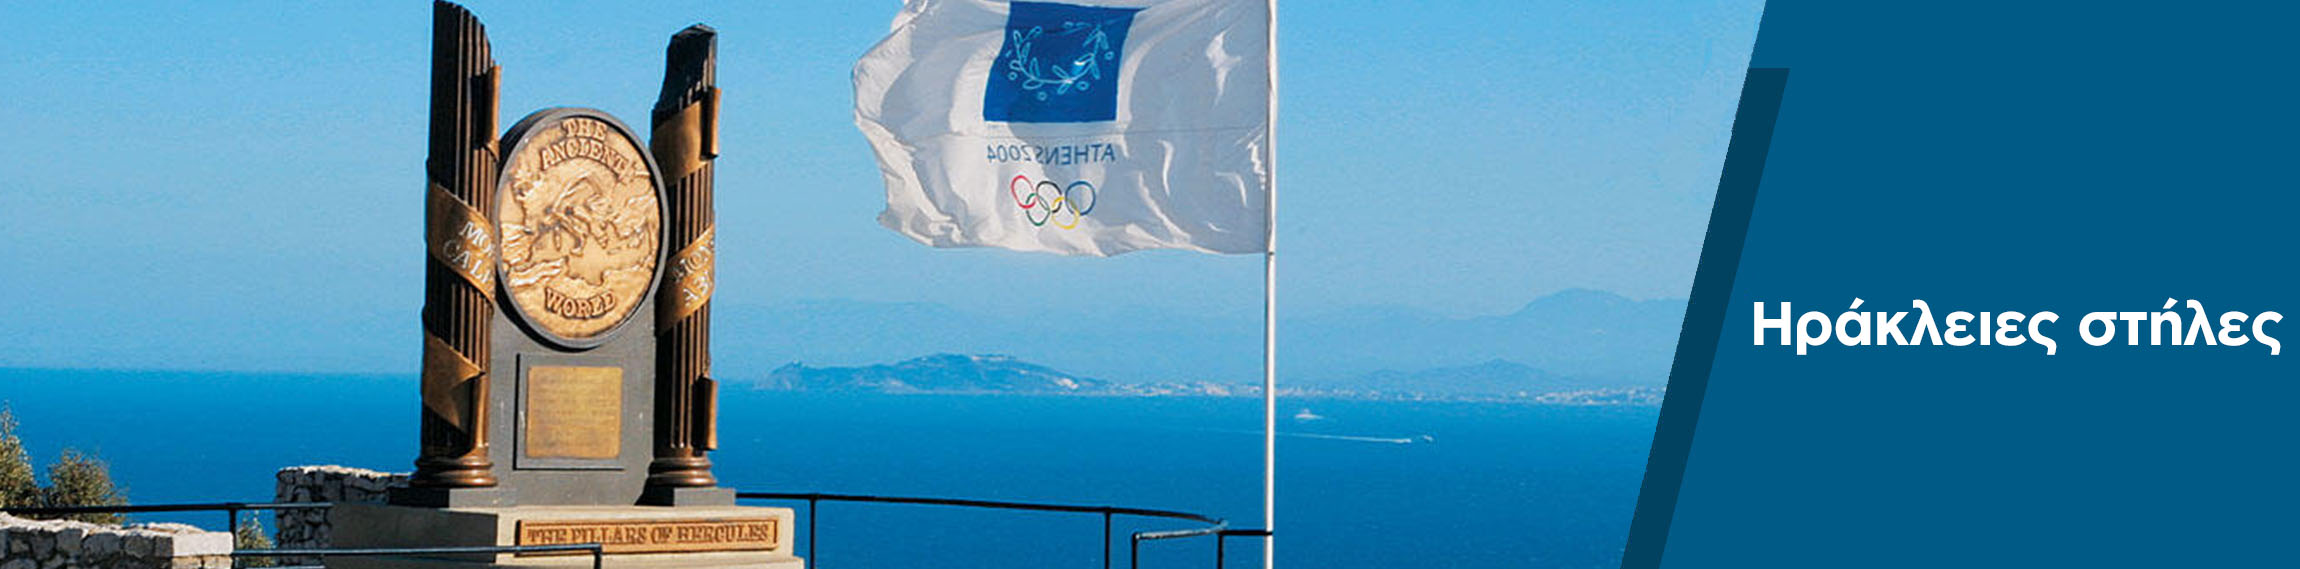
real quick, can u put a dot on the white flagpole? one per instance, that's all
(1270, 398)
(1270, 322)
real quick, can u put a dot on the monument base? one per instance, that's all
(635, 536)
(448, 497)
(664, 496)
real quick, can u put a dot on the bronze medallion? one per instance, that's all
(581, 224)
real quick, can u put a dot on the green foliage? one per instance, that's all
(18, 488)
(251, 535)
(77, 479)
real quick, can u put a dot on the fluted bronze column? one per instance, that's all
(685, 140)
(459, 279)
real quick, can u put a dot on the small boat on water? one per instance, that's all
(1306, 415)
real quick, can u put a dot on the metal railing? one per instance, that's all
(1214, 526)
(1222, 541)
(231, 520)
(598, 552)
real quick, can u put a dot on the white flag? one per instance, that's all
(1088, 127)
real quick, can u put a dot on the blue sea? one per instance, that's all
(1475, 485)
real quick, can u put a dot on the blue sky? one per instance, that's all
(177, 173)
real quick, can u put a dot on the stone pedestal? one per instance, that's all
(38, 544)
(734, 537)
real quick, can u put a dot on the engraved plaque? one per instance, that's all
(573, 412)
(656, 536)
(580, 222)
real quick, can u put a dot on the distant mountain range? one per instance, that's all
(1577, 337)
(1496, 377)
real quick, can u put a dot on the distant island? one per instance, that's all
(1496, 381)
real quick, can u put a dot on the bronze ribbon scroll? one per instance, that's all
(447, 376)
(685, 140)
(690, 279)
(460, 238)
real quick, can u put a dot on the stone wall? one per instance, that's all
(308, 529)
(37, 544)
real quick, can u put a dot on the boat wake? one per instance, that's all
(1352, 438)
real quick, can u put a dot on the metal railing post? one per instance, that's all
(1221, 543)
(816, 557)
(1134, 552)
(1105, 538)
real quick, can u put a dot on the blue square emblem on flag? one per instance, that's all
(1060, 64)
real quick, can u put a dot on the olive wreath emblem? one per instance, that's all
(1039, 76)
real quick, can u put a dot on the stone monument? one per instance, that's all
(566, 384)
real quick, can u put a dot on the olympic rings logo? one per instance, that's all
(1046, 202)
